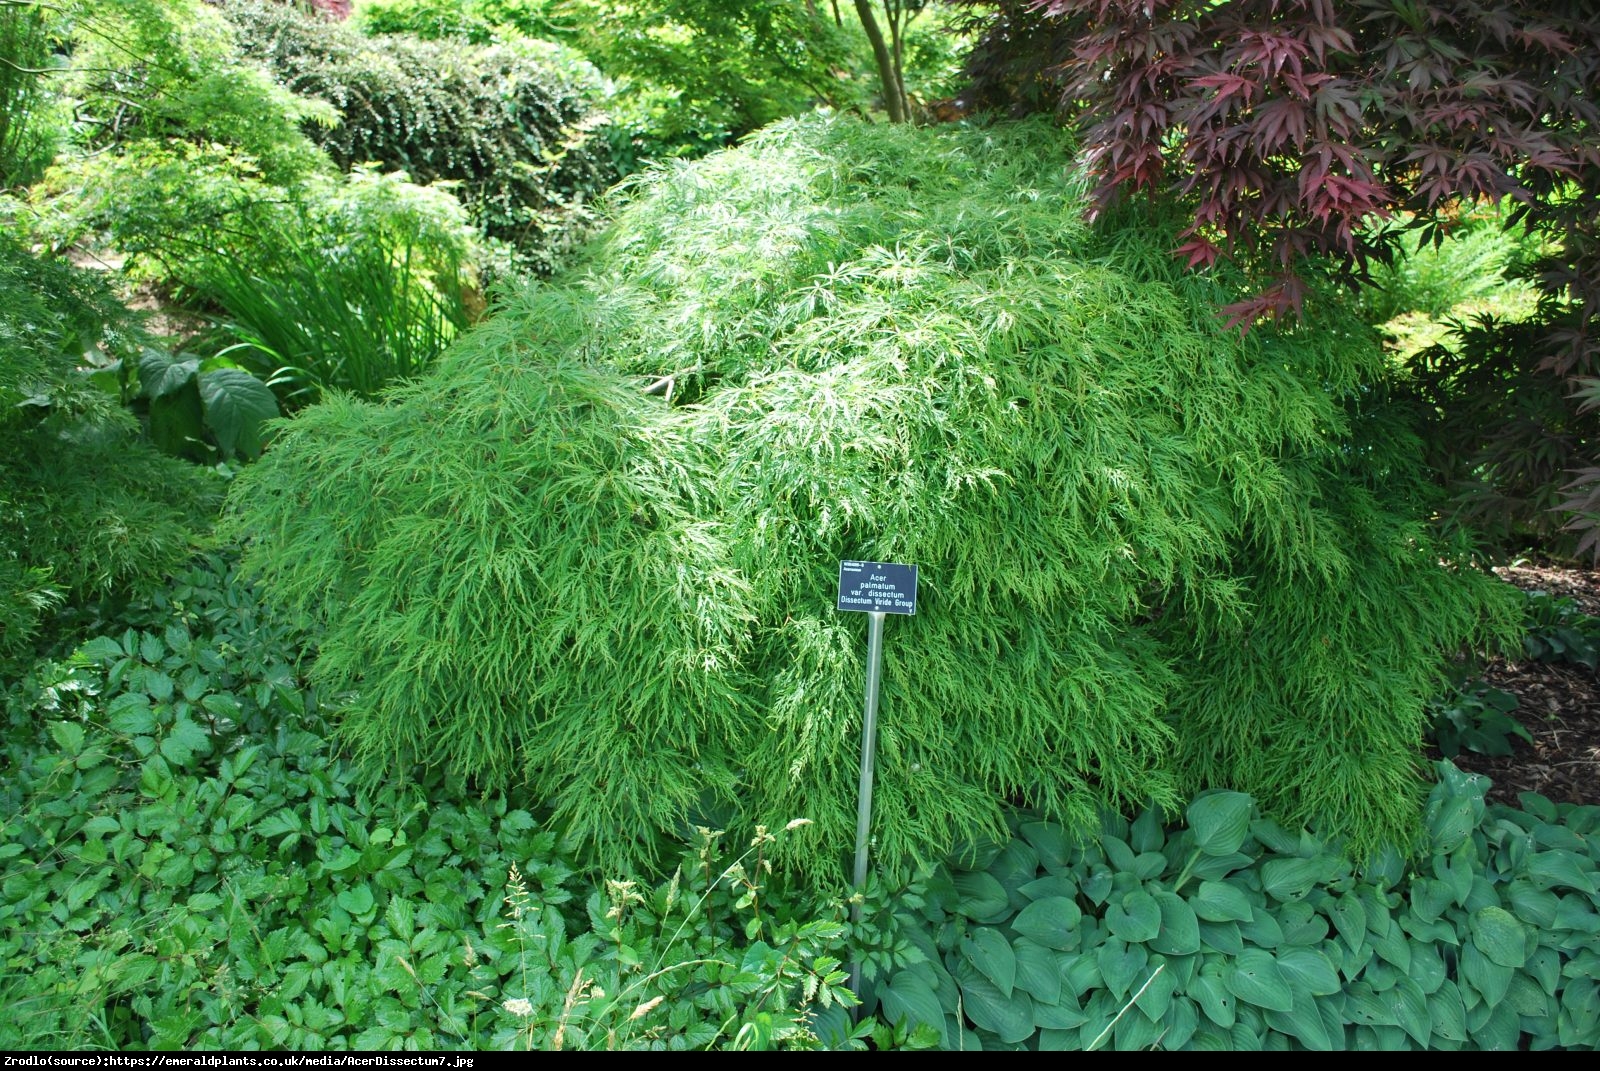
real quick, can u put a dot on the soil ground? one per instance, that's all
(1558, 704)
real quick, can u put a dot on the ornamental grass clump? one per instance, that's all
(595, 549)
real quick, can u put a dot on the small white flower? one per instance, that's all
(518, 1006)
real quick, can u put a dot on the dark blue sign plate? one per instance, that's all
(878, 587)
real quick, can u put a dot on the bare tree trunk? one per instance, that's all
(893, 96)
(838, 19)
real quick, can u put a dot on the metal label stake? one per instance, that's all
(877, 589)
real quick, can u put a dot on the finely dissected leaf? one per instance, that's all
(1154, 555)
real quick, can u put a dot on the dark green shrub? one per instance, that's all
(27, 126)
(1234, 933)
(514, 125)
(187, 864)
(87, 507)
(1156, 557)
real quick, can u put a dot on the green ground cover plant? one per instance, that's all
(594, 550)
(187, 863)
(1233, 932)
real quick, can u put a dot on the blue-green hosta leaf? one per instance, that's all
(1262, 931)
(1532, 905)
(981, 897)
(1350, 919)
(1499, 936)
(161, 373)
(1290, 879)
(910, 999)
(989, 951)
(1579, 1022)
(1039, 971)
(1180, 1023)
(1052, 922)
(1411, 1010)
(1050, 885)
(1447, 1013)
(1220, 901)
(236, 405)
(1180, 929)
(1574, 913)
(1136, 919)
(1213, 998)
(1008, 1017)
(1427, 966)
(1221, 937)
(1097, 886)
(1121, 965)
(1309, 971)
(1561, 868)
(1050, 842)
(1302, 924)
(1491, 980)
(1254, 977)
(1304, 1022)
(1155, 992)
(1220, 822)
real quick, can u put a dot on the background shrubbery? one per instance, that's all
(517, 125)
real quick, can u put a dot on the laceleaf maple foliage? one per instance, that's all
(1290, 126)
(1291, 129)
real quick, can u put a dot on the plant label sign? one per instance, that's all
(878, 587)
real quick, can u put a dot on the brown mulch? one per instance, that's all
(1558, 704)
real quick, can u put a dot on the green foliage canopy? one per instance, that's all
(1155, 556)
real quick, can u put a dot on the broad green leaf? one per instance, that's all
(1499, 936)
(236, 404)
(1155, 993)
(101, 649)
(1491, 980)
(989, 951)
(1532, 905)
(183, 741)
(1254, 977)
(1350, 919)
(1121, 965)
(1446, 1012)
(1039, 971)
(1289, 879)
(1220, 822)
(1309, 971)
(130, 713)
(909, 998)
(1304, 1022)
(1051, 842)
(1209, 992)
(981, 897)
(1136, 919)
(1218, 901)
(1052, 922)
(1411, 1010)
(67, 735)
(1561, 868)
(1008, 1017)
(1180, 931)
(160, 373)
